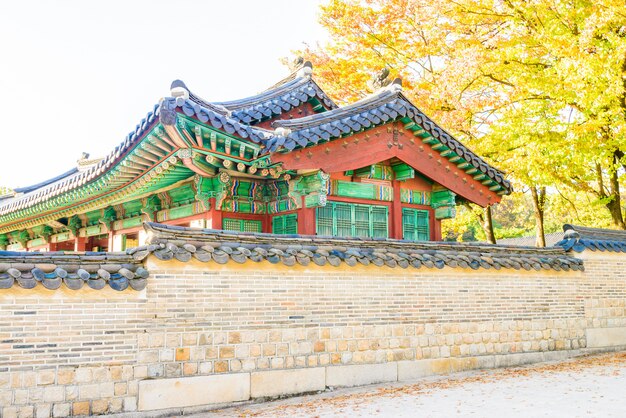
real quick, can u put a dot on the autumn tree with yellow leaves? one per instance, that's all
(537, 87)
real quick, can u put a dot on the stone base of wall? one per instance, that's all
(605, 337)
(179, 396)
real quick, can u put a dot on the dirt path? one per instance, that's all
(584, 387)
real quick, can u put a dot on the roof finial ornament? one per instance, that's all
(396, 84)
(306, 68)
(380, 80)
(179, 89)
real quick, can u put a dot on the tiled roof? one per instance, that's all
(46, 182)
(93, 269)
(211, 116)
(386, 105)
(75, 178)
(274, 102)
(580, 238)
(236, 117)
(291, 92)
(65, 183)
(183, 244)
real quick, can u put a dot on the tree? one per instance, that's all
(536, 87)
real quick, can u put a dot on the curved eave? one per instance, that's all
(125, 168)
(52, 189)
(384, 107)
(29, 189)
(274, 102)
(207, 116)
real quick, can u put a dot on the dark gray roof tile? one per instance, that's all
(293, 249)
(26, 269)
(579, 239)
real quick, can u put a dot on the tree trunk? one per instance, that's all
(484, 220)
(488, 226)
(539, 203)
(614, 205)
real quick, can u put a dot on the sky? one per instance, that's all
(77, 76)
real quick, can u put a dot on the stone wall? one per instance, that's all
(203, 334)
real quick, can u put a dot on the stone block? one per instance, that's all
(9, 412)
(42, 410)
(416, 369)
(285, 382)
(99, 407)
(130, 404)
(517, 359)
(35, 395)
(6, 397)
(65, 376)
(361, 374)
(54, 394)
(605, 337)
(182, 354)
(80, 408)
(26, 412)
(83, 375)
(115, 405)
(61, 410)
(45, 377)
(91, 391)
(193, 391)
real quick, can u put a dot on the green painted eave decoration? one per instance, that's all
(200, 135)
(317, 106)
(416, 197)
(313, 187)
(182, 195)
(403, 171)
(132, 208)
(446, 152)
(166, 173)
(133, 167)
(361, 190)
(375, 171)
(444, 203)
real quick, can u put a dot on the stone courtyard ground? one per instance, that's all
(583, 387)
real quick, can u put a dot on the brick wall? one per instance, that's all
(85, 352)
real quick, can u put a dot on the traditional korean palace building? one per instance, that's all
(286, 161)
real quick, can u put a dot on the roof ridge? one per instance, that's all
(211, 235)
(381, 96)
(183, 243)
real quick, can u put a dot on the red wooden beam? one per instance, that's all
(381, 144)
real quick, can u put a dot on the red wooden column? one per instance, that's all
(80, 244)
(306, 220)
(214, 217)
(436, 229)
(396, 212)
(266, 223)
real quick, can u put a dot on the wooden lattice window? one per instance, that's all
(242, 225)
(285, 224)
(352, 220)
(415, 224)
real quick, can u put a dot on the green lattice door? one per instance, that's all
(415, 224)
(285, 224)
(242, 225)
(352, 220)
